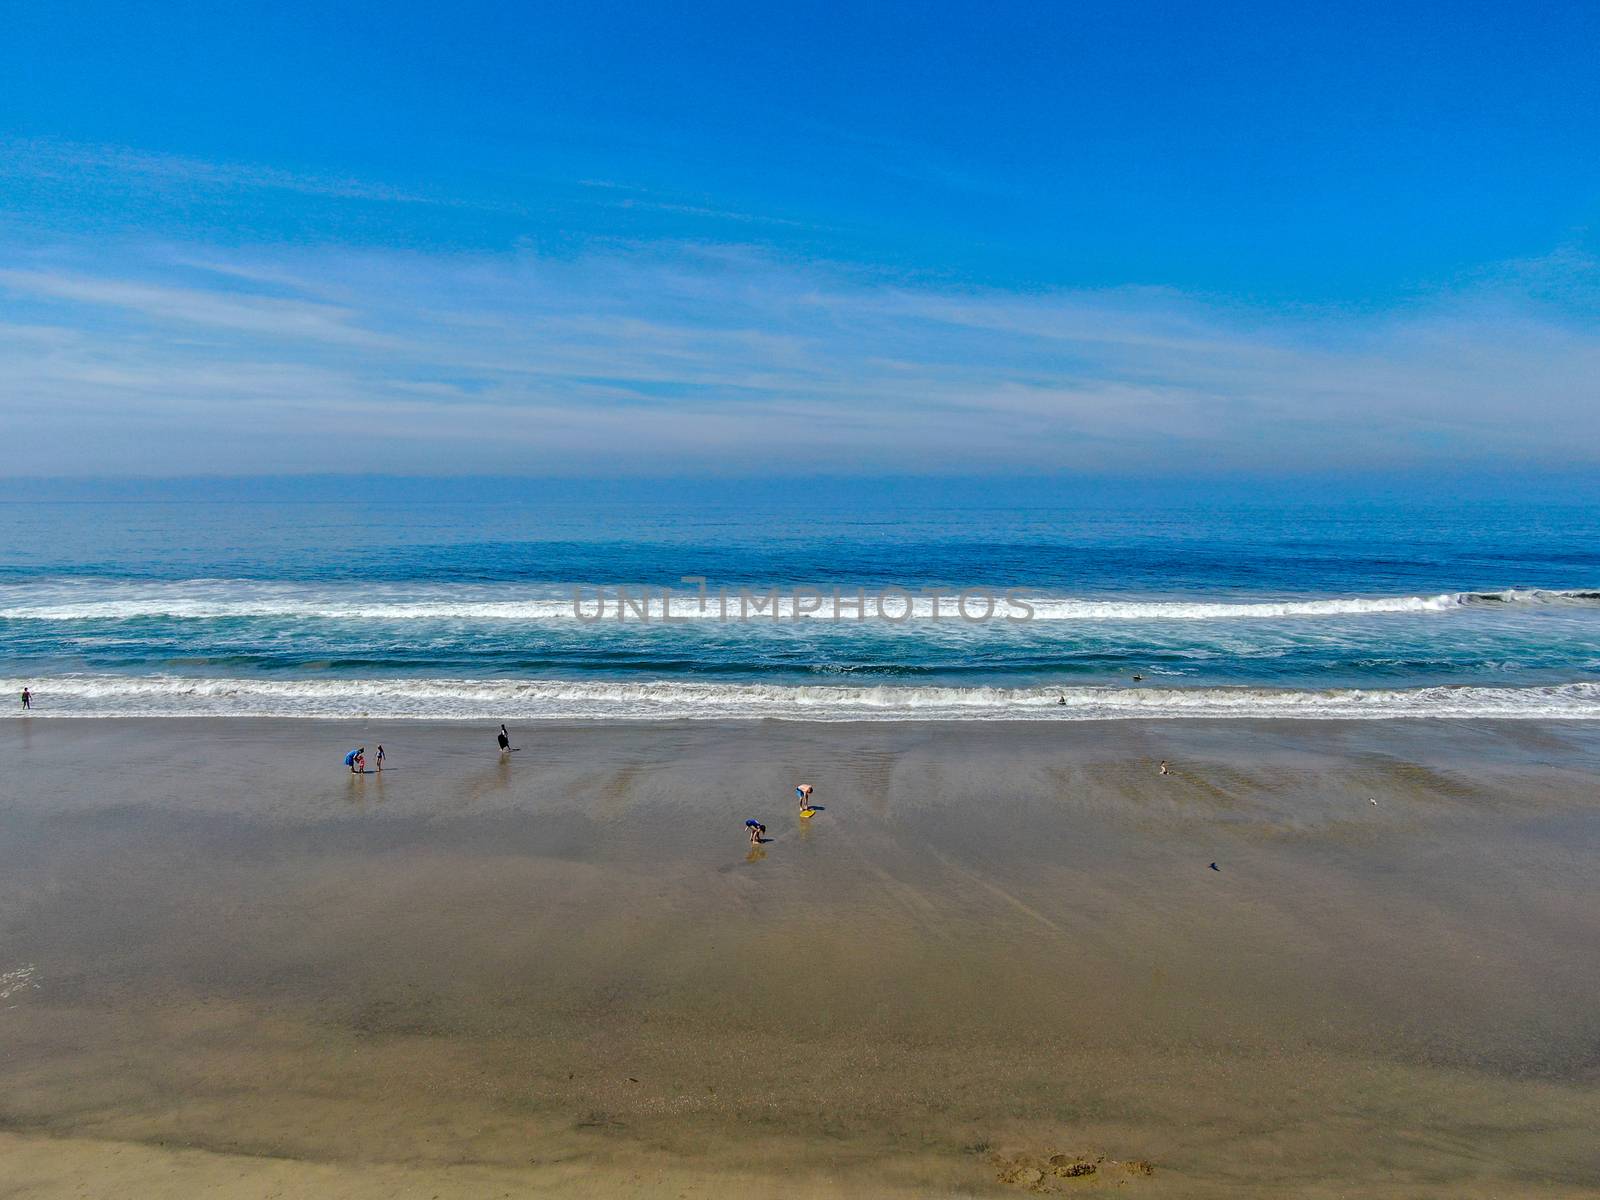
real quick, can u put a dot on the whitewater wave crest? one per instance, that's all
(230, 600)
(505, 699)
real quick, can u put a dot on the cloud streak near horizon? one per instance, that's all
(682, 358)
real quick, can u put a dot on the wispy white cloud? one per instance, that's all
(165, 304)
(702, 210)
(727, 360)
(77, 162)
(119, 169)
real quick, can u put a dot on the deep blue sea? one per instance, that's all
(445, 607)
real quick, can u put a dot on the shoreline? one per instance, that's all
(600, 724)
(997, 943)
(1071, 729)
(499, 698)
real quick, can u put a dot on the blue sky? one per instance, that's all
(645, 240)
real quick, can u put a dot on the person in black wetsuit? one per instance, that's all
(504, 739)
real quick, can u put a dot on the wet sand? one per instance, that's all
(997, 959)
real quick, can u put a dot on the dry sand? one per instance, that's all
(996, 959)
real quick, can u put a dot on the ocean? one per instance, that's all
(812, 606)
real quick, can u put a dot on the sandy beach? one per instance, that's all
(997, 963)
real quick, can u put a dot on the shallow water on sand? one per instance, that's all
(992, 946)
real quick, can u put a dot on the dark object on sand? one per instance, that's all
(1214, 867)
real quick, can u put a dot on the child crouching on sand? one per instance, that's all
(757, 830)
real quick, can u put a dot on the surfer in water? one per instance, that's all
(504, 739)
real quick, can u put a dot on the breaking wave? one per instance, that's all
(226, 599)
(496, 700)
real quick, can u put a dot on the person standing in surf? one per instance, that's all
(27, 698)
(379, 759)
(504, 739)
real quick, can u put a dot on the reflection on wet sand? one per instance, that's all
(998, 962)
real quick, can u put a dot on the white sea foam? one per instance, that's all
(224, 599)
(505, 699)
(18, 979)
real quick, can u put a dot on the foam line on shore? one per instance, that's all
(506, 699)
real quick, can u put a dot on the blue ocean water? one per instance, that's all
(456, 607)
